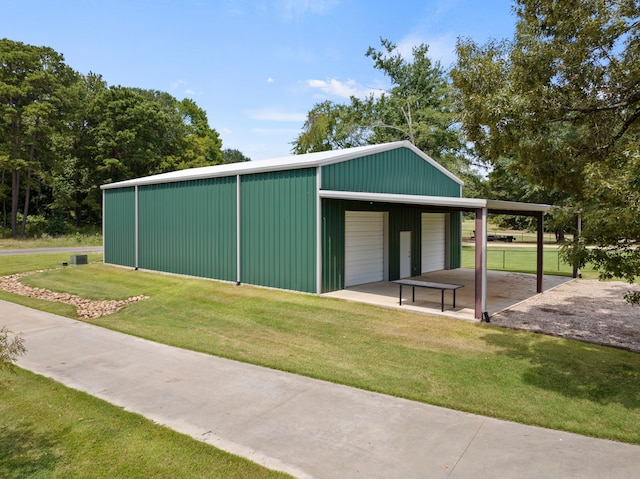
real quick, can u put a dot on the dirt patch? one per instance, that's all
(586, 310)
(87, 308)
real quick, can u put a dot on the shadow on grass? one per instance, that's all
(26, 453)
(574, 369)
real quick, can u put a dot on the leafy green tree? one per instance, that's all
(33, 81)
(202, 145)
(562, 99)
(231, 155)
(333, 126)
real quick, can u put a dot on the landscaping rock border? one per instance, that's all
(87, 308)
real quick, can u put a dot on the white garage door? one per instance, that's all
(433, 242)
(364, 247)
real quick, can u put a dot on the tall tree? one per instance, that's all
(417, 108)
(562, 98)
(32, 84)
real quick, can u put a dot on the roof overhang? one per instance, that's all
(495, 206)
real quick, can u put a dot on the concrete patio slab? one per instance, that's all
(504, 290)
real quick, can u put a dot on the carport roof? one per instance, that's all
(441, 201)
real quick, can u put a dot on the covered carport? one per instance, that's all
(482, 208)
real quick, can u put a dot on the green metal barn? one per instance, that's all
(313, 223)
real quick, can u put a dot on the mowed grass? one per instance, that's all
(48, 242)
(518, 376)
(48, 430)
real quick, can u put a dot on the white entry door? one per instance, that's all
(364, 247)
(405, 254)
(433, 242)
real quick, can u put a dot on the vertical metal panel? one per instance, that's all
(119, 226)
(404, 218)
(279, 229)
(189, 228)
(455, 240)
(398, 171)
(333, 247)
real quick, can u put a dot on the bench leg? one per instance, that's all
(442, 301)
(400, 302)
(413, 295)
(454, 298)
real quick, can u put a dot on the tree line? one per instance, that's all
(63, 134)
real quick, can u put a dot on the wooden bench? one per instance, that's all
(429, 285)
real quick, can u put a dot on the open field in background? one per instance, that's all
(49, 430)
(523, 260)
(522, 236)
(518, 376)
(49, 242)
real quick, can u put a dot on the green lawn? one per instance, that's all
(48, 242)
(48, 430)
(519, 376)
(523, 260)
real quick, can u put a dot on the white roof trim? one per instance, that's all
(517, 206)
(309, 160)
(406, 199)
(466, 203)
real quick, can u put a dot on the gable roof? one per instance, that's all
(293, 162)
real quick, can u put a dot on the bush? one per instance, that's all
(10, 349)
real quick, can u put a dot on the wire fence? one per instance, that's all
(517, 236)
(521, 260)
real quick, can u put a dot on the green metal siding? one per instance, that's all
(189, 228)
(278, 229)
(398, 171)
(119, 226)
(455, 235)
(404, 219)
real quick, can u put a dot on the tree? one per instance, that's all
(10, 349)
(416, 108)
(231, 155)
(331, 126)
(202, 144)
(32, 84)
(562, 99)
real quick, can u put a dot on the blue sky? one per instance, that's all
(256, 67)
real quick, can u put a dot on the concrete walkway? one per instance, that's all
(306, 427)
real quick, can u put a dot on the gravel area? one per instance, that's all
(586, 310)
(87, 308)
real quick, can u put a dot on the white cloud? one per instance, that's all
(189, 91)
(174, 85)
(274, 114)
(270, 80)
(336, 88)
